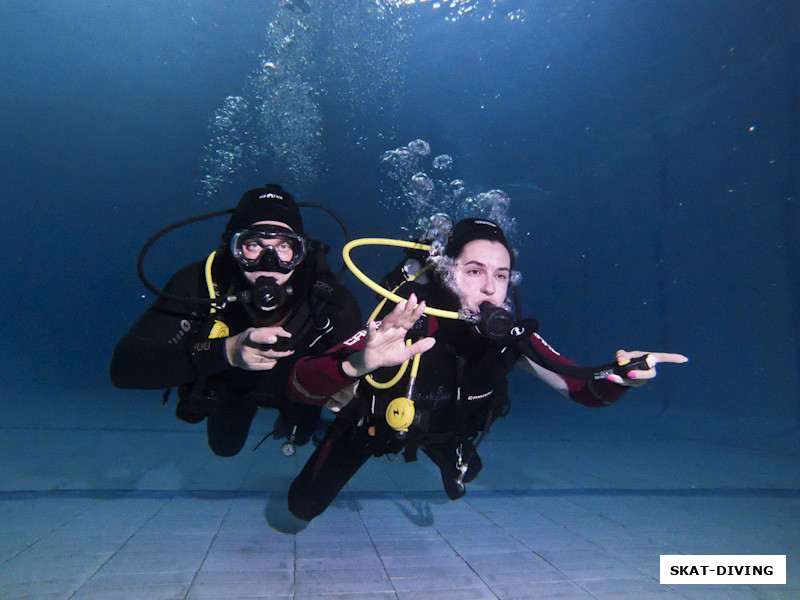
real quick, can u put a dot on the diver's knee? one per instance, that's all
(305, 511)
(225, 449)
(302, 504)
(475, 466)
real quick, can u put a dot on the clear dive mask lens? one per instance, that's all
(270, 251)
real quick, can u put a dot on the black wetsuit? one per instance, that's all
(168, 346)
(460, 390)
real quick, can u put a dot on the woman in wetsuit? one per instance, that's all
(459, 386)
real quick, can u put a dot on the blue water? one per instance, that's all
(650, 151)
(651, 154)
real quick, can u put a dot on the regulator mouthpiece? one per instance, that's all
(267, 294)
(495, 322)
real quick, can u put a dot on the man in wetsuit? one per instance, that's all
(229, 359)
(460, 386)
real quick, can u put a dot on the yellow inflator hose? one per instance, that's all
(436, 312)
(400, 412)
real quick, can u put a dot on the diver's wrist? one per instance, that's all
(354, 366)
(229, 350)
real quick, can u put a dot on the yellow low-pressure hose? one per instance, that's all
(385, 385)
(387, 295)
(400, 411)
(402, 370)
(220, 328)
(436, 312)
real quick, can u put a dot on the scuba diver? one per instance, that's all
(227, 330)
(456, 386)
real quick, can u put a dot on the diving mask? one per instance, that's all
(273, 250)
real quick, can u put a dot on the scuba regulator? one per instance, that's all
(266, 295)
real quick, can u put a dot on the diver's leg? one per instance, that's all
(300, 421)
(228, 427)
(446, 458)
(341, 454)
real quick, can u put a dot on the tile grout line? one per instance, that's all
(512, 536)
(294, 564)
(375, 547)
(121, 546)
(53, 530)
(457, 553)
(208, 550)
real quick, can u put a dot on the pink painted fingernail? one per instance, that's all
(632, 375)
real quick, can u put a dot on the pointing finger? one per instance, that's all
(669, 358)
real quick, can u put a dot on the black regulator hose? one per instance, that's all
(325, 209)
(149, 243)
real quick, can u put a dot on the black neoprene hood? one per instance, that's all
(468, 230)
(270, 203)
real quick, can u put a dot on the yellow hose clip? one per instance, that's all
(219, 330)
(400, 412)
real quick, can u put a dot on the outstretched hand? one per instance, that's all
(252, 350)
(386, 345)
(639, 377)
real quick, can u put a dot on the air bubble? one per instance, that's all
(423, 183)
(274, 125)
(424, 193)
(420, 147)
(457, 188)
(443, 162)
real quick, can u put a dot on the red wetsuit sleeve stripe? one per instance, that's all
(314, 379)
(592, 393)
